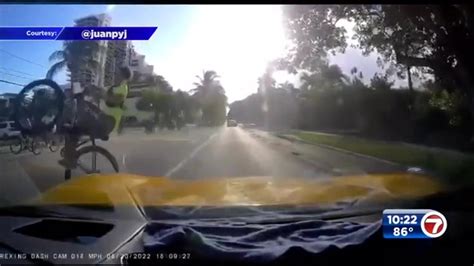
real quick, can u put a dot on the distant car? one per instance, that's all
(131, 121)
(8, 129)
(231, 123)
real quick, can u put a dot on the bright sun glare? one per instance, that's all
(247, 35)
(236, 42)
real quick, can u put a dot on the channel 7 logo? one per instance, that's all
(413, 223)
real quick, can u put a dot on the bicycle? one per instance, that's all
(23, 143)
(53, 145)
(75, 154)
(52, 141)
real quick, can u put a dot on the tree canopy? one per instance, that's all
(211, 97)
(432, 39)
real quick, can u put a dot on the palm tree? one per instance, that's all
(266, 81)
(162, 84)
(380, 82)
(75, 57)
(328, 77)
(207, 84)
(208, 87)
(289, 88)
(334, 75)
(211, 96)
(308, 81)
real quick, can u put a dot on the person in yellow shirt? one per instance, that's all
(116, 96)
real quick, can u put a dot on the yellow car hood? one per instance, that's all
(128, 189)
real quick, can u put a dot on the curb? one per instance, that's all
(297, 139)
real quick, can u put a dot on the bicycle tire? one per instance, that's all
(100, 150)
(35, 147)
(53, 146)
(29, 147)
(48, 82)
(20, 141)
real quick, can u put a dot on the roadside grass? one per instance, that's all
(453, 167)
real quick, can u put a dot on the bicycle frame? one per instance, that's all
(71, 146)
(72, 142)
(26, 142)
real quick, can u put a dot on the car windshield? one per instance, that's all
(241, 132)
(293, 97)
(207, 105)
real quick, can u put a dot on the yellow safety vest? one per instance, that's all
(117, 112)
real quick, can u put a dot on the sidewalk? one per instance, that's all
(293, 138)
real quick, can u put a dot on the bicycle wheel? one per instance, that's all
(53, 146)
(35, 147)
(38, 106)
(16, 146)
(104, 161)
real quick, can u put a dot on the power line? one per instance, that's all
(17, 71)
(13, 75)
(21, 58)
(13, 83)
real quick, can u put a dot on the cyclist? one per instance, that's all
(116, 96)
(47, 111)
(89, 119)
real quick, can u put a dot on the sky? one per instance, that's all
(235, 41)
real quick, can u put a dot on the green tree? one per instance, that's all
(186, 105)
(431, 38)
(288, 87)
(266, 81)
(207, 85)
(160, 103)
(162, 83)
(379, 82)
(410, 38)
(356, 82)
(211, 97)
(326, 77)
(313, 30)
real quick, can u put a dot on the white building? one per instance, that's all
(120, 56)
(94, 76)
(142, 72)
(137, 62)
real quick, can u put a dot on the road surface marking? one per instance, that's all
(190, 156)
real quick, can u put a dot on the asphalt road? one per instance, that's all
(192, 153)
